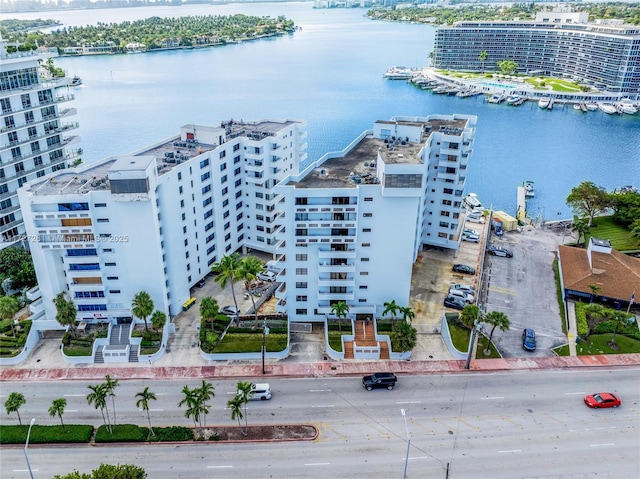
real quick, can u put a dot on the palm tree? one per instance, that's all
(582, 228)
(9, 306)
(13, 404)
(158, 320)
(496, 319)
(235, 405)
(594, 291)
(227, 270)
(57, 409)
(205, 391)
(98, 398)
(469, 315)
(340, 310)
(391, 307)
(407, 314)
(483, 58)
(196, 406)
(209, 310)
(142, 306)
(245, 391)
(619, 317)
(250, 266)
(110, 386)
(65, 312)
(143, 402)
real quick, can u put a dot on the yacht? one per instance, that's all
(626, 106)
(471, 201)
(592, 106)
(513, 98)
(398, 73)
(544, 102)
(607, 108)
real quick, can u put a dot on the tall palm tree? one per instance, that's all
(110, 386)
(65, 312)
(619, 317)
(245, 391)
(497, 319)
(209, 310)
(483, 58)
(235, 406)
(142, 306)
(158, 320)
(196, 407)
(407, 314)
(390, 307)
(9, 306)
(57, 409)
(206, 392)
(469, 315)
(98, 398)
(143, 402)
(340, 310)
(13, 404)
(250, 266)
(227, 271)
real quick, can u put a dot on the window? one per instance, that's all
(114, 291)
(301, 201)
(366, 230)
(301, 271)
(446, 202)
(205, 176)
(366, 245)
(73, 206)
(403, 181)
(109, 264)
(445, 213)
(236, 147)
(301, 284)
(225, 190)
(223, 153)
(301, 298)
(340, 200)
(364, 273)
(207, 202)
(367, 215)
(301, 312)
(301, 257)
(362, 286)
(204, 163)
(205, 189)
(364, 259)
(112, 278)
(223, 179)
(368, 199)
(92, 307)
(103, 220)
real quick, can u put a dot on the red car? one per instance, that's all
(602, 400)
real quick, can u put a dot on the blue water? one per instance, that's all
(330, 73)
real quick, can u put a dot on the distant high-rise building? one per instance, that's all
(32, 132)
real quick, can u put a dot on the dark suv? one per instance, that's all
(379, 380)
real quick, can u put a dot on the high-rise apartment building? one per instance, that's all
(352, 224)
(158, 219)
(33, 138)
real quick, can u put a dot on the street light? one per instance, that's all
(477, 326)
(406, 459)
(265, 331)
(26, 444)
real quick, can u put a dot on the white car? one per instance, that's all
(471, 238)
(457, 293)
(463, 287)
(475, 219)
(267, 276)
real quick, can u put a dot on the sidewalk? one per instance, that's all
(285, 369)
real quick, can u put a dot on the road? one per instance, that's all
(498, 425)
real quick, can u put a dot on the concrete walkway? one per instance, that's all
(573, 328)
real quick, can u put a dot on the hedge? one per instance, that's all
(72, 433)
(121, 433)
(581, 319)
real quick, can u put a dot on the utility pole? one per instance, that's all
(477, 326)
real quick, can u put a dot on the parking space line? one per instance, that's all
(498, 289)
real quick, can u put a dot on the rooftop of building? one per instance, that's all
(358, 166)
(254, 130)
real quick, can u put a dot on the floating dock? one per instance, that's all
(521, 204)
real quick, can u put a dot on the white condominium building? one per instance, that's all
(351, 225)
(156, 220)
(32, 132)
(603, 55)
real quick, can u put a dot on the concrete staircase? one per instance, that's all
(99, 359)
(365, 336)
(119, 334)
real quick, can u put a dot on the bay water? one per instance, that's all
(330, 73)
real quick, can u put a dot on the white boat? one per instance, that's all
(76, 81)
(592, 106)
(497, 98)
(576, 106)
(398, 73)
(529, 189)
(471, 201)
(627, 107)
(607, 108)
(544, 102)
(514, 98)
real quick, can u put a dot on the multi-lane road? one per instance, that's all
(497, 425)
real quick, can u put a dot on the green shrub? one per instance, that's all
(345, 325)
(122, 433)
(72, 433)
(9, 352)
(629, 329)
(173, 433)
(581, 319)
(384, 325)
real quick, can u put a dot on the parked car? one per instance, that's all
(455, 303)
(471, 238)
(497, 251)
(599, 400)
(259, 392)
(475, 219)
(463, 287)
(529, 339)
(267, 276)
(463, 268)
(463, 295)
(380, 380)
(201, 283)
(230, 311)
(469, 231)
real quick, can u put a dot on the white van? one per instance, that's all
(260, 392)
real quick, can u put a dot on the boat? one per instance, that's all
(529, 189)
(576, 106)
(583, 107)
(626, 106)
(544, 102)
(592, 106)
(519, 102)
(398, 73)
(471, 201)
(76, 81)
(513, 98)
(607, 108)
(452, 90)
(497, 97)
(440, 90)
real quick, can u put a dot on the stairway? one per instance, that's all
(133, 354)
(119, 334)
(348, 350)
(365, 333)
(384, 350)
(99, 359)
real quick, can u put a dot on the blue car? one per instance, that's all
(529, 339)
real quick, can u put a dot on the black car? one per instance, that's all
(379, 380)
(463, 268)
(529, 339)
(455, 303)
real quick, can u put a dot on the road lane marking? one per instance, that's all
(510, 450)
(493, 397)
(602, 445)
(74, 395)
(407, 402)
(25, 470)
(219, 467)
(318, 464)
(318, 390)
(328, 405)
(497, 289)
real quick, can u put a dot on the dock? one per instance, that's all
(521, 204)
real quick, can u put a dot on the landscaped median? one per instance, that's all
(127, 433)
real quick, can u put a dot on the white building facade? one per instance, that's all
(157, 219)
(33, 140)
(350, 226)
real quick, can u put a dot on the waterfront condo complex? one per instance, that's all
(605, 56)
(32, 135)
(347, 228)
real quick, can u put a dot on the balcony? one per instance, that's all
(338, 296)
(34, 293)
(350, 253)
(281, 292)
(336, 282)
(281, 306)
(37, 307)
(336, 268)
(447, 176)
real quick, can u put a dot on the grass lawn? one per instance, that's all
(599, 344)
(250, 343)
(620, 236)
(460, 338)
(562, 350)
(335, 340)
